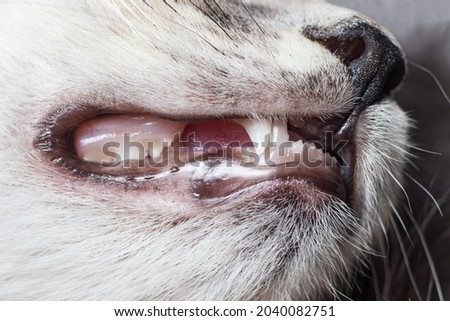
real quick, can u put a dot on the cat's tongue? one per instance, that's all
(219, 134)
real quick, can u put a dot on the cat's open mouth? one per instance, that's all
(220, 156)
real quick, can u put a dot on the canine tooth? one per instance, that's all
(282, 150)
(258, 130)
(136, 130)
(279, 132)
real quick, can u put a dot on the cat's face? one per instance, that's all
(231, 223)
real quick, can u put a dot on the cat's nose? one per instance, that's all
(376, 64)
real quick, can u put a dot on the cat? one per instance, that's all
(240, 222)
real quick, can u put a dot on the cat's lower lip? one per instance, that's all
(216, 182)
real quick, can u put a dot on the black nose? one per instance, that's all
(375, 63)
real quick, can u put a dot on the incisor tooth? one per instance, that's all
(297, 146)
(259, 132)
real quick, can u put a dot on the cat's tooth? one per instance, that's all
(297, 151)
(259, 132)
(280, 133)
(287, 152)
(297, 146)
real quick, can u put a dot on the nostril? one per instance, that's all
(347, 50)
(375, 63)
